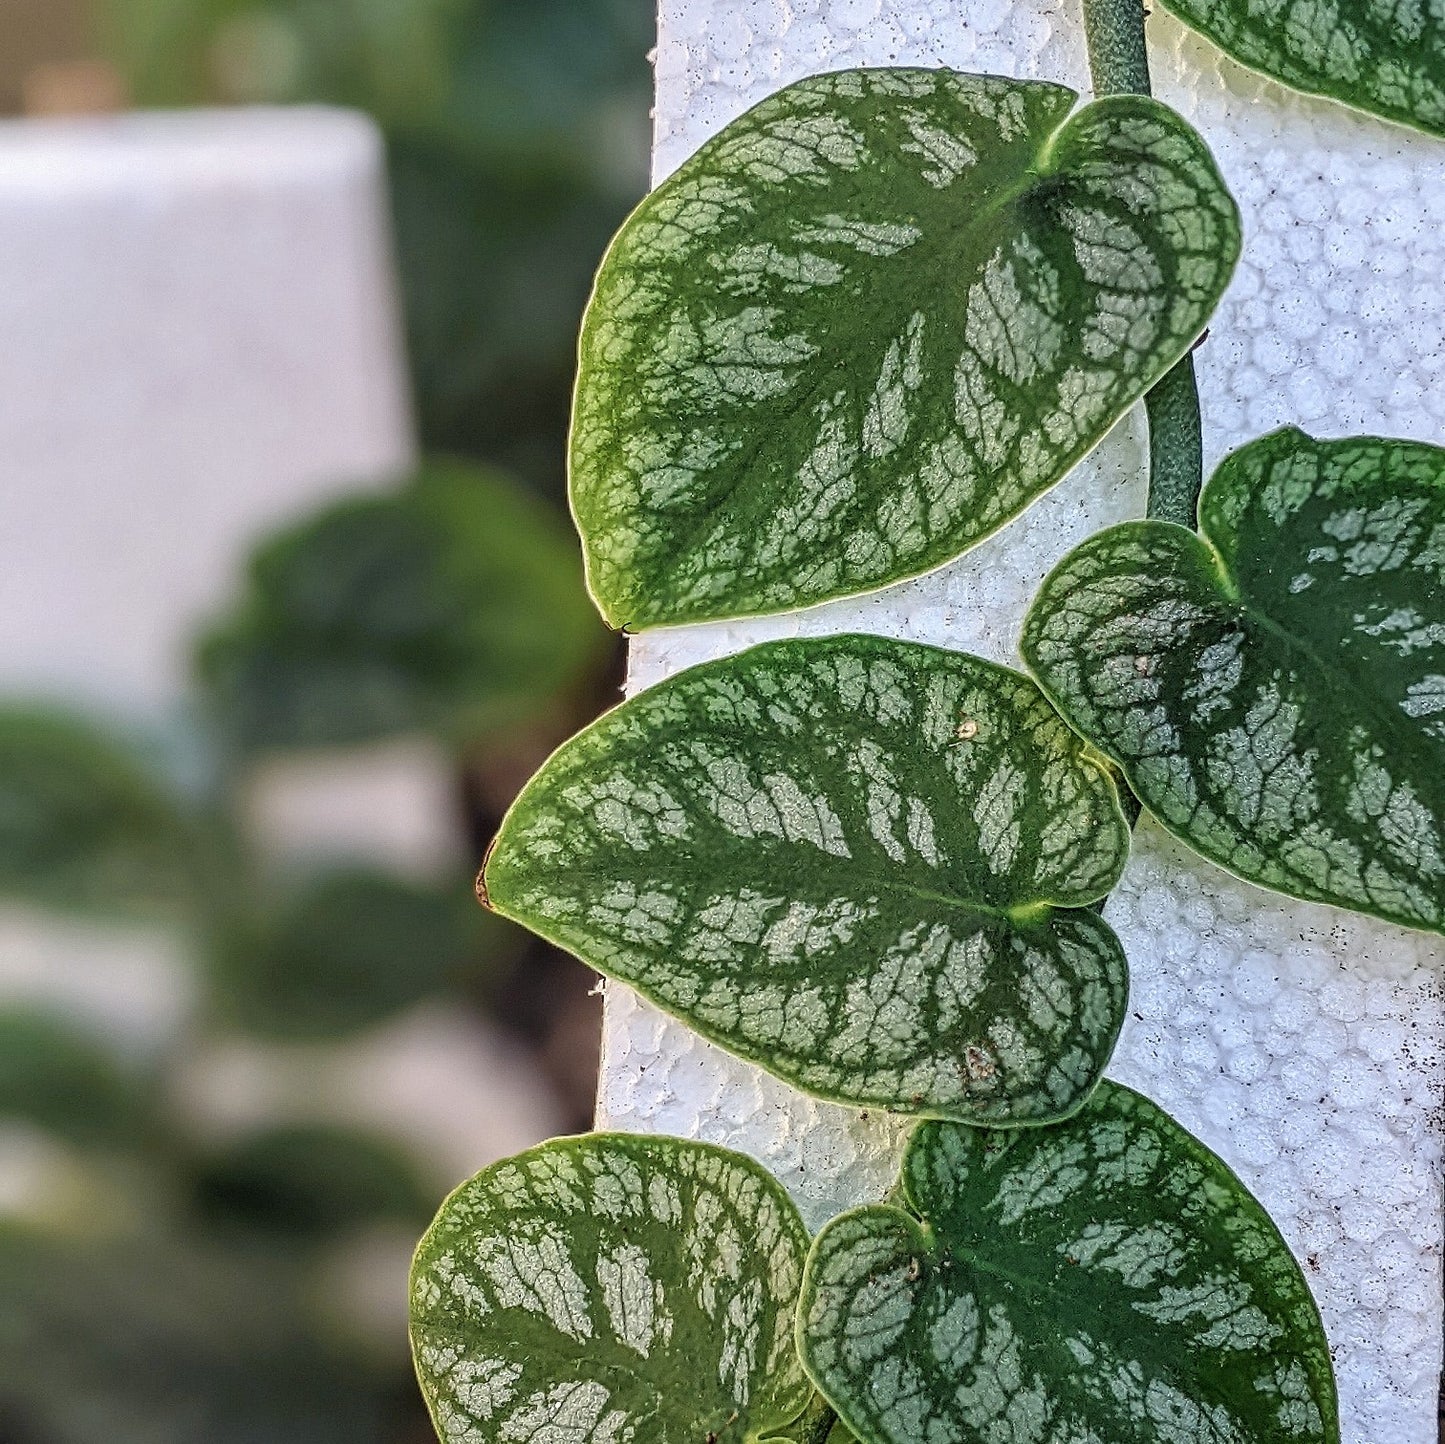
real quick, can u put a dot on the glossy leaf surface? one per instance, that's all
(1108, 1279)
(452, 606)
(870, 322)
(863, 864)
(611, 1287)
(1275, 689)
(1377, 56)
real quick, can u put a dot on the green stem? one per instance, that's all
(1114, 33)
(1119, 65)
(817, 1422)
(1176, 446)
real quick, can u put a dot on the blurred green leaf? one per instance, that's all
(59, 1078)
(389, 56)
(170, 1342)
(83, 824)
(567, 80)
(517, 132)
(454, 607)
(354, 947)
(311, 1180)
(496, 264)
(519, 81)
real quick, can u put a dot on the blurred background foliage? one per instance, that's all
(452, 606)
(517, 142)
(164, 1280)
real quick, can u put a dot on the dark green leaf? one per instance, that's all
(863, 864)
(309, 1180)
(83, 824)
(1107, 1280)
(870, 322)
(495, 265)
(169, 1340)
(453, 607)
(1373, 54)
(352, 948)
(57, 1077)
(608, 1288)
(1275, 691)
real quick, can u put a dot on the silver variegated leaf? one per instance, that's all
(870, 322)
(1274, 688)
(1376, 55)
(1108, 1281)
(863, 864)
(614, 1289)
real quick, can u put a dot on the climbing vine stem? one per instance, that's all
(1119, 65)
(1176, 447)
(1114, 33)
(817, 1423)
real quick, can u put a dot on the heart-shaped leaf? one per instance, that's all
(610, 1288)
(863, 864)
(1275, 691)
(1106, 1280)
(1377, 56)
(450, 606)
(870, 322)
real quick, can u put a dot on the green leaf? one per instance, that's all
(861, 863)
(309, 1181)
(871, 321)
(85, 825)
(352, 948)
(1275, 691)
(119, 1336)
(1106, 1280)
(61, 1078)
(451, 607)
(1378, 56)
(607, 1288)
(818, 1425)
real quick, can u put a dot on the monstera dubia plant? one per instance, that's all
(859, 331)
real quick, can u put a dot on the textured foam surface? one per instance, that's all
(1302, 1043)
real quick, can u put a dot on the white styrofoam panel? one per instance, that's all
(1302, 1043)
(198, 338)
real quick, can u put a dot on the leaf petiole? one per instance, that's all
(1119, 65)
(816, 1424)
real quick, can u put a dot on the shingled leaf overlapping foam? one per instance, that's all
(1274, 689)
(1108, 1279)
(1375, 55)
(868, 323)
(864, 864)
(610, 1288)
